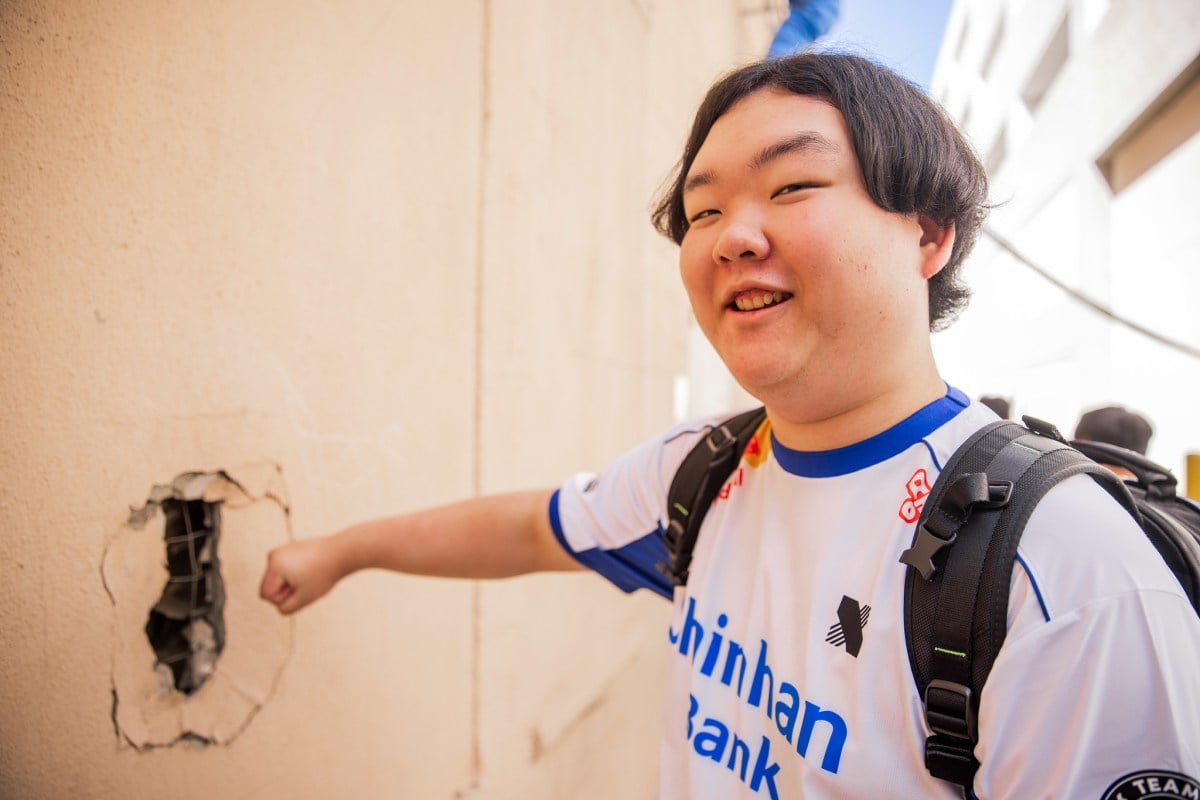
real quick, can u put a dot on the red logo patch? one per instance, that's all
(918, 489)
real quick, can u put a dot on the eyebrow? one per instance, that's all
(805, 141)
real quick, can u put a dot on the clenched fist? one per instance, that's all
(299, 573)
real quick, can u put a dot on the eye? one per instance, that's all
(708, 212)
(792, 188)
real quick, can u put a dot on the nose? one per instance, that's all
(742, 239)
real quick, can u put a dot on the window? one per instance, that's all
(1048, 66)
(997, 152)
(1169, 121)
(989, 60)
(961, 47)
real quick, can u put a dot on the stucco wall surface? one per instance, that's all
(393, 254)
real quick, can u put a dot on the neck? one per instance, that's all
(805, 421)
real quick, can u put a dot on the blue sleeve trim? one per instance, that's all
(556, 522)
(1036, 591)
(634, 566)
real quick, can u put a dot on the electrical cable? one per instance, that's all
(1083, 299)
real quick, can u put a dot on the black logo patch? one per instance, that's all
(848, 630)
(1153, 783)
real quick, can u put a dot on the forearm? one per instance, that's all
(496, 536)
(487, 537)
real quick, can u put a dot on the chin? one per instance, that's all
(765, 367)
(762, 380)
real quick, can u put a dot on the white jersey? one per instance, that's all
(789, 674)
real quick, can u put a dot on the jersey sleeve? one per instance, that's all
(1097, 686)
(612, 522)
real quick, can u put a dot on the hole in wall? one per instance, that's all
(196, 653)
(186, 627)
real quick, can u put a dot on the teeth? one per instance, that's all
(757, 301)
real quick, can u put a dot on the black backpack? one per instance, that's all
(963, 550)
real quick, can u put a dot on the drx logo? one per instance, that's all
(848, 630)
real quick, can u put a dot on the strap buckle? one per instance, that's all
(676, 566)
(940, 529)
(949, 710)
(999, 493)
(669, 572)
(920, 555)
(672, 534)
(719, 438)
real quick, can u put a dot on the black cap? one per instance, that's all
(1115, 425)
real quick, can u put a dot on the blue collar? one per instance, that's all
(880, 447)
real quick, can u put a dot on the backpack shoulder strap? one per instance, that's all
(1155, 479)
(960, 567)
(697, 482)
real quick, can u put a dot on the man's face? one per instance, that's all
(796, 277)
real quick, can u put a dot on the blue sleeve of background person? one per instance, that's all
(807, 21)
(634, 566)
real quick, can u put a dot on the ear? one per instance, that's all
(937, 242)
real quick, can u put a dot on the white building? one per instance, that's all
(1087, 115)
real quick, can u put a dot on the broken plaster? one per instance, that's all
(148, 711)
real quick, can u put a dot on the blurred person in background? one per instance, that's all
(1001, 405)
(1115, 425)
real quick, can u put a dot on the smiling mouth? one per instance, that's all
(753, 301)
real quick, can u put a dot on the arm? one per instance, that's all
(1098, 695)
(487, 537)
(1096, 680)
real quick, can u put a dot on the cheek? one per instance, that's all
(693, 268)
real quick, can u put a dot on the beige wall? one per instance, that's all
(399, 252)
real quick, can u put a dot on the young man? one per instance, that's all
(823, 207)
